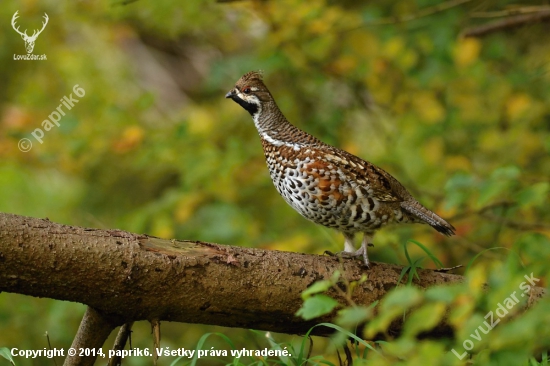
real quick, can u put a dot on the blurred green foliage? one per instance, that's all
(490, 323)
(154, 147)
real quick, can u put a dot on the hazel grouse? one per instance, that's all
(326, 185)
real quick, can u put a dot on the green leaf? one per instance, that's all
(351, 317)
(535, 195)
(335, 276)
(203, 339)
(502, 180)
(506, 173)
(285, 360)
(316, 306)
(6, 353)
(458, 189)
(424, 318)
(446, 294)
(317, 287)
(483, 252)
(436, 261)
(394, 304)
(401, 298)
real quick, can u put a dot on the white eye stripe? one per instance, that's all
(253, 99)
(253, 88)
(249, 98)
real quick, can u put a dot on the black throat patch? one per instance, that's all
(250, 107)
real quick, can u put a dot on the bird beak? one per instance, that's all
(230, 94)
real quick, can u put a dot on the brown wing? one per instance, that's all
(384, 187)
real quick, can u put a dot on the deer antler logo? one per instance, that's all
(29, 40)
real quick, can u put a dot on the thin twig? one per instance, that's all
(447, 269)
(349, 358)
(482, 210)
(485, 212)
(509, 12)
(50, 347)
(310, 347)
(155, 329)
(430, 10)
(123, 2)
(339, 358)
(124, 333)
(508, 23)
(517, 224)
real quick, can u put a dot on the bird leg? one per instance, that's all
(367, 239)
(349, 249)
(348, 244)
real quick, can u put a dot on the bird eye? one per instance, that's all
(246, 90)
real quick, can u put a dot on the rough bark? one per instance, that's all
(120, 342)
(130, 277)
(92, 333)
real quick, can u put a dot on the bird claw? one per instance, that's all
(342, 254)
(359, 253)
(345, 254)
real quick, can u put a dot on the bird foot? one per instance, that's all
(361, 252)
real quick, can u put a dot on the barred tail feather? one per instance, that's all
(424, 215)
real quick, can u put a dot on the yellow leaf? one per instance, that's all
(352, 147)
(433, 150)
(428, 107)
(297, 242)
(199, 121)
(476, 280)
(163, 227)
(394, 47)
(364, 44)
(319, 26)
(131, 138)
(408, 59)
(458, 163)
(344, 64)
(516, 105)
(16, 118)
(186, 206)
(528, 146)
(461, 310)
(466, 51)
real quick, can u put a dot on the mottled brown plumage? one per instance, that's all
(324, 184)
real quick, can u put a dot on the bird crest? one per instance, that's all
(253, 75)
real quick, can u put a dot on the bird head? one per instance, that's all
(250, 92)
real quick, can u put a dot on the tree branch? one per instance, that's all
(509, 12)
(508, 23)
(124, 333)
(430, 10)
(128, 277)
(92, 333)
